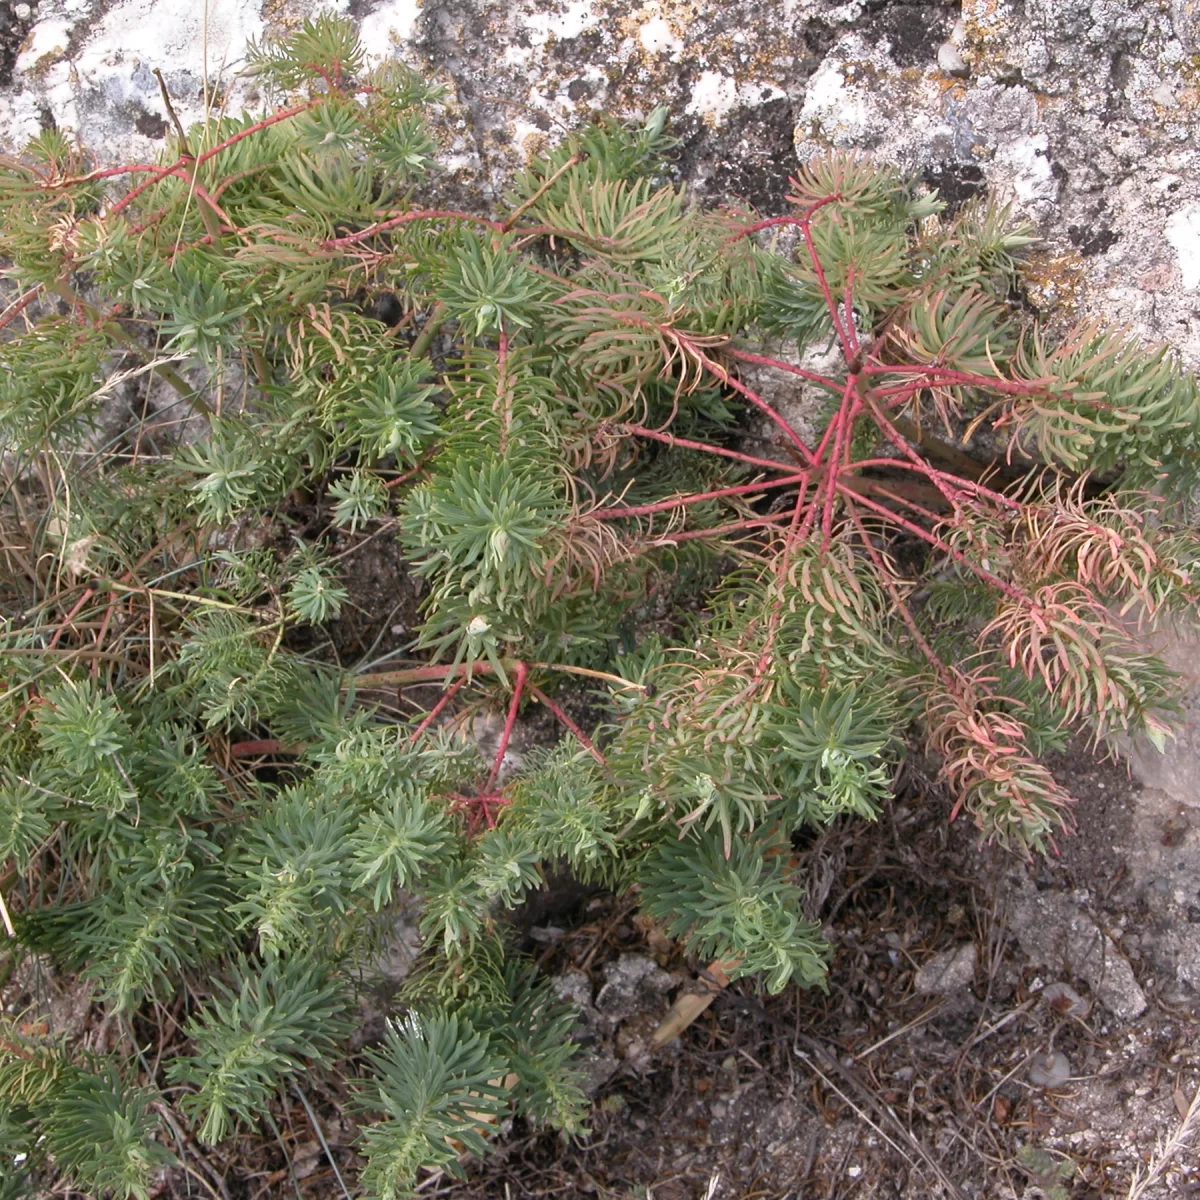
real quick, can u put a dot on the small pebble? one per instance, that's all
(22, 12)
(951, 61)
(1049, 1070)
(1065, 999)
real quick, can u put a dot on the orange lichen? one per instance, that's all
(1054, 281)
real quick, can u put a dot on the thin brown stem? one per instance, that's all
(19, 305)
(436, 710)
(184, 149)
(547, 184)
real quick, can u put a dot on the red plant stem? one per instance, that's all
(893, 435)
(334, 81)
(19, 305)
(258, 127)
(88, 593)
(841, 425)
(154, 218)
(848, 317)
(725, 377)
(1007, 588)
(580, 736)
(771, 520)
(885, 577)
(421, 214)
(202, 194)
(848, 342)
(830, 431)
(765, 360)
(797, 531)
(159, 175)
(670, 439)
(897, 396)
(184, 159)
(415, 469)
(645, 510)
(522, 672)
(772, 222)
(435, 711)
(206, 240)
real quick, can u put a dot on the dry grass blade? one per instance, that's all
(871, 1100)
(689, 1005)
(1166, 1151)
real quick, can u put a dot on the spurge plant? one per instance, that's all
(750, 507)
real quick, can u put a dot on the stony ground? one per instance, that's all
(993, 1029)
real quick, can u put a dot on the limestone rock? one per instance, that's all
(634, 984)
(948, 972)
(1086, 113)
(1163, 856)
(1055, 931)
(1176, 770)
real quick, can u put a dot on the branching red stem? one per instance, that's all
(645, 510)
(436, 710)
(669, 439)
(1007, 588)
(184, 160)
(574, 729)
(521, 673)
(731, 381)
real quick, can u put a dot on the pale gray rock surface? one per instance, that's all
(1083, 112)
(1062, 936)
(1163, 855)
(947, 973)
(629, 984)
(1177, 772)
